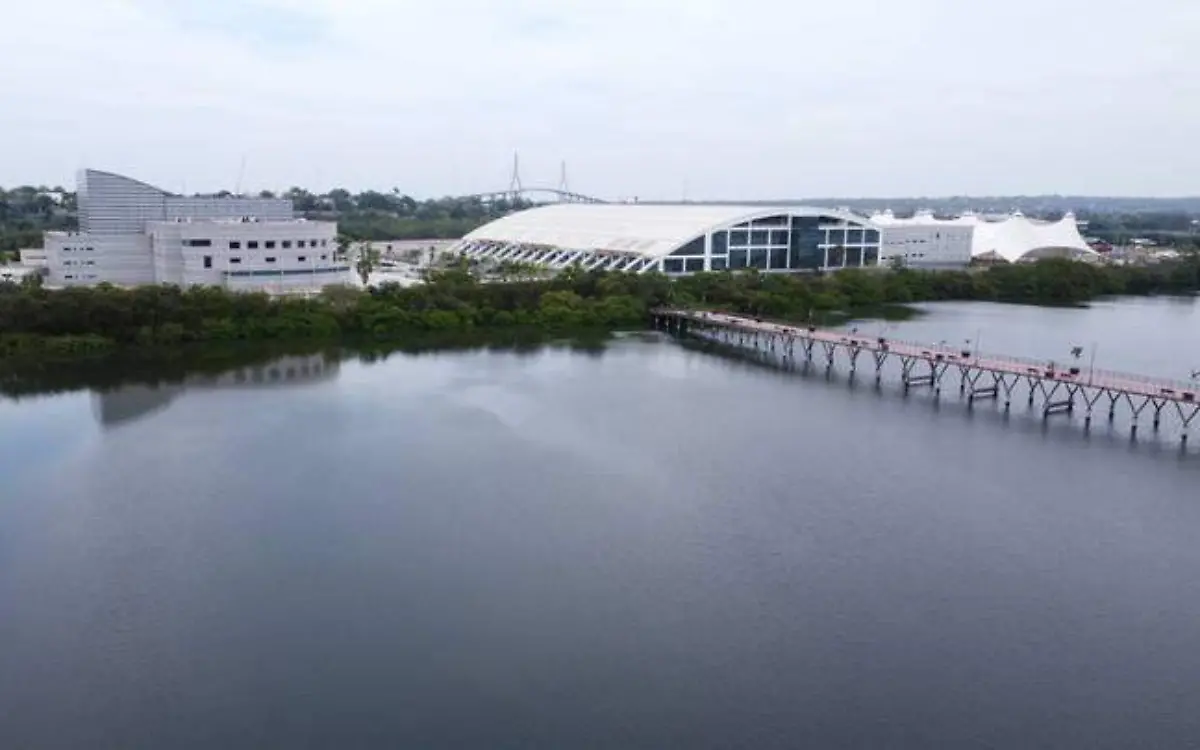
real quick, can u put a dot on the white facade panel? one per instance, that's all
(78, 259)
(926, 246)
(242, 254)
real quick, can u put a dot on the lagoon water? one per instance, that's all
(650, 545)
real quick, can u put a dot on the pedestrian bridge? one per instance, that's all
(1050, 387)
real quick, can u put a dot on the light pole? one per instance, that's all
(1092, 363)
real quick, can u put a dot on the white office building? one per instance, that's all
(131, 233)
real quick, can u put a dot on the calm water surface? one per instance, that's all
(652, 546)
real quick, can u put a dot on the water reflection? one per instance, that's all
(128, 403)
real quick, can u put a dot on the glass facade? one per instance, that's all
(804, 252)
(779, 243)
(772, 221)
(695, 247)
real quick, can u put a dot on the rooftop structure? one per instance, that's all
(1010, 238)
(687, 238)
(132, 233)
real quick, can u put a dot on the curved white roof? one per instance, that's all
(646, 229)
(1010, 238)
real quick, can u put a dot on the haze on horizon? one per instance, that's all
(752, 99)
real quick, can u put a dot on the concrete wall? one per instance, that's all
(916, 246)
(78, 259)
(287, 255)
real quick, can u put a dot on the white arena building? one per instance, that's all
(131, 233)
(687, 238)
(1006, 239)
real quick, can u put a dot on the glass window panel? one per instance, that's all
(871, 256)
(758, 258)
(692, 265)
(837, 237)
(695, 247)
(739, 238)
(779, 257)
(837, 257)
(720, 243)
(779, 237)
(719, 264)
(772, 221)
(803, 251)
(737, 258)
(673, 265)
(854, 256)
(872, 237)
(760, 237)
(854, 236)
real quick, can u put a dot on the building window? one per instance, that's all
(758, 258)
(302, 258)
(235, 245)
(269, 244)
(779, 258)
(252, 245)
(691, 265)
(324, 257)
(235, 261)
(719, 264)
(324, 242)
(286, 244)
(198, 243)
(299, 243)
(779, 237)
(760, 237)
(90, 249)
(68, 276)
(737, 258)
(739, 238)
(270, 258)
(208, 261)
(673, 265)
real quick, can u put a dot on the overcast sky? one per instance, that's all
(654, 98)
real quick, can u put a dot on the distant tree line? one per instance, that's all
(35, 320)
(27, 211)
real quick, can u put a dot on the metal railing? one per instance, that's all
(1087, 375)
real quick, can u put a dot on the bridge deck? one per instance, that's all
(1158, 389)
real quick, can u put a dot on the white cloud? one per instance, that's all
(757, 98)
